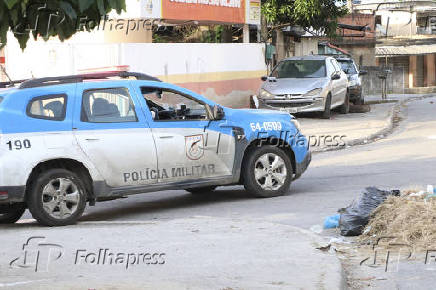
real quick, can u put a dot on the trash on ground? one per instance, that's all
(410, 218)
(355, 217)
(332, 222)
(334, 245)
(316, 229)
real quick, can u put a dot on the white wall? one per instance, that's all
(55, 58)
(189, 58)
(401, 23)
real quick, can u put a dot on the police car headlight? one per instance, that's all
(296, 124)
(313, 93)
(264, 94)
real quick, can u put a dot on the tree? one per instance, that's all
(320, 15)
(52, 17)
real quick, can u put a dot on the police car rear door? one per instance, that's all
(112, 131)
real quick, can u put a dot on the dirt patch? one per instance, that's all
(410, 217)
(359, 108)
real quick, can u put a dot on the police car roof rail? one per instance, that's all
(51, 81)
(10, 83)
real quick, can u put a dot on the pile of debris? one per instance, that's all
(408, 215)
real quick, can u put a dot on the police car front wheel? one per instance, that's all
(267, 171)
(57, 198)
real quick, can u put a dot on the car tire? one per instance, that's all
(260, 178)
(201, 190)
(252, 104)
(57, 198)
(11, 213)
(327, 107)
(345, 107)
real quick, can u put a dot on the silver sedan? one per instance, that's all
(305, 84)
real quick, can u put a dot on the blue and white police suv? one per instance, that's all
(67, 141)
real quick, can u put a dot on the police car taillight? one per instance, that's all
(3, 195)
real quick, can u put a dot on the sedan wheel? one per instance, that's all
(345, 107)
(327, 108)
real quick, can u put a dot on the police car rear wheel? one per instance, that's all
(267, 172)
(9, 214)
(57, 198)
(201, 190)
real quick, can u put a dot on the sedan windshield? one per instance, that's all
(300, 69)
(347, 66)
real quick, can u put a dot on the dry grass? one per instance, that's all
(410, 218)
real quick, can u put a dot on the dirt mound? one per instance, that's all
(411, 218)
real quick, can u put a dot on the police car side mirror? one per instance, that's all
(363, 72)
(264, 78)
(218, 112)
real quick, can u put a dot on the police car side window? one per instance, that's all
(112, 105)
(48, 107)
(168, 105)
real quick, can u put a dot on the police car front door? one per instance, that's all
(112, 131)
(189, 145)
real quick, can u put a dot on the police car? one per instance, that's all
(72, 140)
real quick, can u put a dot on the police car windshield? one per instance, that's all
(347, 66)
(300, 69)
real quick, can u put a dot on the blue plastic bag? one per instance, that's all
(332, 222)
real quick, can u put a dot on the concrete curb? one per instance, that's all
(382, 133)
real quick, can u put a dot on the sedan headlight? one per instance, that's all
(264, 94)
(313, 93)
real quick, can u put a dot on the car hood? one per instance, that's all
(294, 85)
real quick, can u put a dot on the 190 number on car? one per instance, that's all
(19, 144)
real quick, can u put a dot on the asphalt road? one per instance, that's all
(406, 157)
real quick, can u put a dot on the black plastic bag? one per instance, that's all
(356, 216)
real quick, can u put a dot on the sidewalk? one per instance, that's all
(395, 97)
(350, 129)
(201, 252)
